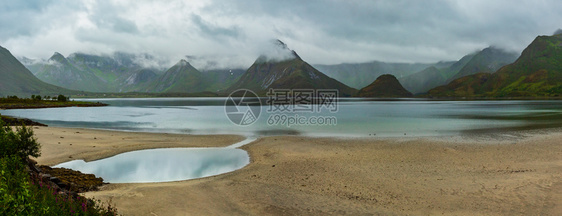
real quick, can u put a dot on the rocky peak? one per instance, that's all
(57, 57)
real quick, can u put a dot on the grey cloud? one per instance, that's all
(213, 30)
(119, 25)
(17, 18)
(228, 33)
(442, 25)
(107, 15)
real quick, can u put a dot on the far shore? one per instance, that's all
(134, 95)
(494, 174)
(49, 104)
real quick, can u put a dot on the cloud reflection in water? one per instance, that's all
(163, 165)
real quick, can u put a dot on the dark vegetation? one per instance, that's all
(149, 95)
(25, 190)
(75, 180)
(36, 101)
(11, 121)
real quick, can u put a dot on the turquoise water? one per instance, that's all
(355, 117)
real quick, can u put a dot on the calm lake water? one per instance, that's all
(354, 117)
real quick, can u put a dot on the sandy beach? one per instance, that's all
(64, 144)
(291, 175)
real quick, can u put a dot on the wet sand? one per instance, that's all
(496, 174)
(64, 144)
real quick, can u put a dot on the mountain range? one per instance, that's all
(184, 78)
(121, 73)
(488, 60)
(110, 74)
(18, 80)
(359, 75)
(536, 73)
(84, 72)
(418, 77)
(491, 72)
(289, 73)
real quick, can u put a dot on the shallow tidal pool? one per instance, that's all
(163, 165)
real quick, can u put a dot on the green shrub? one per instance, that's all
(21, 194)
(15, 189)
(25, 194)
(62, 98)
(19, 143)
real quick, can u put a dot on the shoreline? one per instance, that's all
(6, 104)
(492, 174)
(49, 106)
(60, 144)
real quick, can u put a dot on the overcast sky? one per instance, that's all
(234, 33)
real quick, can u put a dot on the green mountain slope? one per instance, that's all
(537, 72)
(15, 79)
(182, 77)
(118, 72)
(424, 80)
(417, 77)
(384, 86)
(123, 72)
(431, 77)
(30, 64)
(488, 60)
(362, 74)
(220, 79)
(457, 66)
(61, 72)
(289, 73)
(138, 81)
